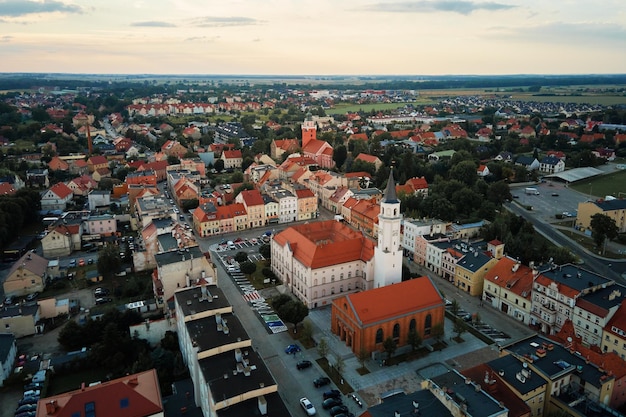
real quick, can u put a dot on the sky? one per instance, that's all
(314, 37)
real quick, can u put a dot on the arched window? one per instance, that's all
(396, 331)
(428, 323)
(379, 336)
(412, 325)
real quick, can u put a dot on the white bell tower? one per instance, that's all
(388, 252)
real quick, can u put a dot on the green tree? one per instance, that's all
(464, 171)
(438, 331)
(602, 228)
(414, 339)
(241, 257)
(280, 300)
(293, 312)
(454, 307)
(219, 165)
(247, 267)
(459, 327)
(339, 156)
(362, 356)
(109, 261)
(322, 347)
(266, 251)
(339, 364)
(173, 160)
(306, 332)
(389, 346)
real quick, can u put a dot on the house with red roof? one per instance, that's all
(482, 170)
(173, 148)
(62, 240)
(413, 186)
(307, 203)
(331, 258)
(136, 395)
(365, 319)
(364, 216)
(56, 197)
(57, 164)
(370, 159)
(254, 205)
(232, 159)
(82, 185)
(279, 147)
(7, 189)
(96, 162)
(508, 288)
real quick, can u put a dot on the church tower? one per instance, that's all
(309, 130)
(388, 252)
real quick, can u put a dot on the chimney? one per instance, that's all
(133, 382)
(51, 407)
(262, 404)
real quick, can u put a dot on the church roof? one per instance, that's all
(390, 192)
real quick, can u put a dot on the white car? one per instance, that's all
(308, 407)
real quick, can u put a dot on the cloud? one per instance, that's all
(454, 6)
(203, 39)
(562, 32)
(218, 22)
(18, 8)
(6, 38)
(154, 24)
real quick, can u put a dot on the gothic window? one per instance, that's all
(428, 324)
(379, 336)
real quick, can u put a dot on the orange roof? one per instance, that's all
(61, 190)
(326, 243)
(132, 395)
(6, 188)
(98, 160)
(314, 146)
(304, 193)
(384, 303)
(367, 158)
(563, 289)
(252, 198)
(517, 279)
(232, 154)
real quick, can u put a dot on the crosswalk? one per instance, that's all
(252, 296)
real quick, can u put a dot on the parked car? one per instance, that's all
(333, 393)
(291, 349)
(73, 263)
(32, 296)
(103, 300)
(81, 262)
(554, 194)
(101, 291)
(308, 407)
(331, 402)
(303, 364)
(32, 393)
(338, 409)
(33, 385)
(8, 300)
(321, 381)
(28, 400)
(25, 408)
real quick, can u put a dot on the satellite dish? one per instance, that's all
(569, 339)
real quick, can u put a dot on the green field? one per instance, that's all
(611, 184)
(351, 108)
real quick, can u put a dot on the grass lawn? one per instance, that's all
(72, 380)
(343, 108)
(588, 243)
(610, 184)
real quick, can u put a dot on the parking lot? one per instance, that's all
(553, 198)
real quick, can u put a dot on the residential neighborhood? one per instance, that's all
(197, 250)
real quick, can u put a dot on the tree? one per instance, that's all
(454, 307)
(109, 261)
(266, 251)
(437, 331)
(306, 332)
(241, 257)
(173, 160)
(247, 267)
(293, 312)
(280, 300)
(339, 156)
(603, 227)
(322, 347)
(339, 364)
(219, 165)
(414, 339)
(362, 356)
(389, 345)
(464, 171)
(459, 327)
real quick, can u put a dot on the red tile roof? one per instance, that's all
(304, 193)
(367, 158)
(252, 198)
(232, 154)
(321, 244)
(384, 303)
(133, 395)
(61, 190)
(517, 278)
(6, 188)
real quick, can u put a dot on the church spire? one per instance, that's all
(390, 192)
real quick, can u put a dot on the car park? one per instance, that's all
(333, 393)
(307, 406)
(331, 402)
(303, 364)
(291, 349)
(321, 381)
(338, 409)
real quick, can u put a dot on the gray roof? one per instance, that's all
(604, 298)
(390, 196)
(7, 340)
(208, 336)
(427, 404)
(574, 277)
(509, 366)
(191, 302)
(576, 174)
(478, 403)
(610, 205)
(474, 261)
(174, 256)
